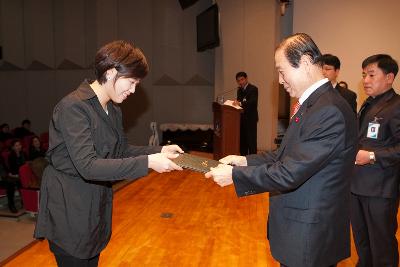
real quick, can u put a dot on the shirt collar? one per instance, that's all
(311, 90)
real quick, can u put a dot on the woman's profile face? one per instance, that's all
(123, 87)
(36, 142)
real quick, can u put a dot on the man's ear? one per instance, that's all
(305, 62)
(390, 78)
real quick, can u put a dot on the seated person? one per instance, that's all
(5, 132)
(9, 185)
(16, 158)
(35, 149)
(24, 130)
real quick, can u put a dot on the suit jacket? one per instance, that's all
(87, 150)
(349, 95)
(308, 181)
(382, 178)
(249, 99)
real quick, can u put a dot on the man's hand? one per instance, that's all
(362, 157)
(222, 174)
(236, 103)
(234, 160)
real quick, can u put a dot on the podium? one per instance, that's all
(226, 137)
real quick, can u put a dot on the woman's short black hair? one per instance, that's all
(127, 59)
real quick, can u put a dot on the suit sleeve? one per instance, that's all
(262, 158)
(74, 124)
(251, 98)
(353, 101)
(320, 140)
(390, 155)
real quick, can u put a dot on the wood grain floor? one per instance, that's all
(180, 219)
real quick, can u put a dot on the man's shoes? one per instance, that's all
(13, 209)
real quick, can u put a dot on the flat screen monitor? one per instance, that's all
(207, 23)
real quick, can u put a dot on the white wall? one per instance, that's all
(351, 30)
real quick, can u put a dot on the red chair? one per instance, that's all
(4, 155)
(30, 196)
(44, 137)
(44, 140)
(7, 143)
(26, 142)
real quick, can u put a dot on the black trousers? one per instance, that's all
(66, 260)
(248, 136)
(10, 186)
(374, 224)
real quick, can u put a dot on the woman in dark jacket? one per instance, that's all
(87, 150)
(16, 158)
(35, 149)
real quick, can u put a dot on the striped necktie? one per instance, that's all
(295, 108)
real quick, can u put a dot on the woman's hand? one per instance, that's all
(172, 149)
(161, 162)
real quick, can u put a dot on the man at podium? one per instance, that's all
(247, 98)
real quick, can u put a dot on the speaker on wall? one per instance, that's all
(186, 3)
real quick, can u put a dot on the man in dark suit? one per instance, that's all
(308, 176)
(331, 69)
(247, 98)
(375, 180)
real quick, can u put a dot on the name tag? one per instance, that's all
(373, 130)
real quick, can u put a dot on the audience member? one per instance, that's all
(24, 130)
(9, 185)
(35, 149)
(331, 69)
(5, 132)
(16, 158)
(375, 179)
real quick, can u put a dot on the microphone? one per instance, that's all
(220, 96)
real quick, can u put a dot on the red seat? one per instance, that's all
(44, 137)
(4, 155)
(30, 196)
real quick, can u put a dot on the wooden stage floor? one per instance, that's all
(180, 219)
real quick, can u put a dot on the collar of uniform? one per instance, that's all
(85, 91)
(385, 96)
(311, 90)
